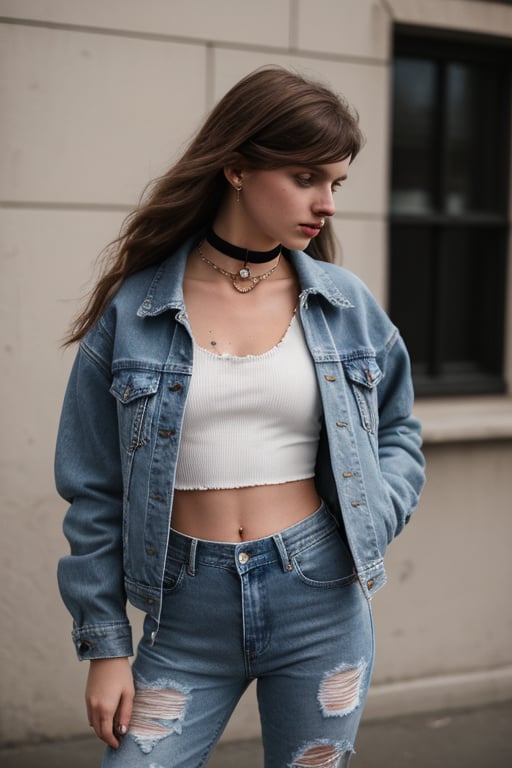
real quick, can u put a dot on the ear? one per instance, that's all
(234, 176)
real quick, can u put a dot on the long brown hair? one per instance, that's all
(269, 119)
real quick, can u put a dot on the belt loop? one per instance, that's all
(281, 548)
(191, 565)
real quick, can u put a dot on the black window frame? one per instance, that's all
(432, 375)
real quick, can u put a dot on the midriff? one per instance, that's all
(242, 514)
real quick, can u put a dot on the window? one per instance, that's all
(449, 210)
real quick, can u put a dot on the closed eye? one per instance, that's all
(308, 179)
(304, 180)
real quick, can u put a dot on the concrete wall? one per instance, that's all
(96, 98)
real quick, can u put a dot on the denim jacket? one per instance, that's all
(119, 438)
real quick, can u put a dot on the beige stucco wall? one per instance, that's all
(96, 98)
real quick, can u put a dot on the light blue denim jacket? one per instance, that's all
(119, 438)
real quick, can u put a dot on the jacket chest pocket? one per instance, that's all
(135, 394)
(363, 375)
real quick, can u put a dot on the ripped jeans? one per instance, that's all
(286, 611)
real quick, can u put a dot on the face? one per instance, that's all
(287, 205)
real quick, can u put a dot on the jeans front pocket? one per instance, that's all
(326, 563)
(174, 572)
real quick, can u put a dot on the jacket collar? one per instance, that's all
(166, 290)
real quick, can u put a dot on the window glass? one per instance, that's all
(471, 300)
(471, 147)
(413, 135)
(412, 290)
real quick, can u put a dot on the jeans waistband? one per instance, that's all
(282, 545)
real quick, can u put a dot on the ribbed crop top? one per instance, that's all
(251, 420)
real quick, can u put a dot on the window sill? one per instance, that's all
(454, 420)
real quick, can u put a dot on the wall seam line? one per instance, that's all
(201, 42)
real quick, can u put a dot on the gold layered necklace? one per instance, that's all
(248, 282)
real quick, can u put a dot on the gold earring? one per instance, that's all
(238, 190)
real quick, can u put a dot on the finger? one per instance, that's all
(93, 722)
(101, 720)
(124, 714)
(105, 731)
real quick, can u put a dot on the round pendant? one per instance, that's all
(244, 273)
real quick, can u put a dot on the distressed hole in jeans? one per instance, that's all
(322, 755)
(157, 712)
(339, 692)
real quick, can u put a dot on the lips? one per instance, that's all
(311, 230)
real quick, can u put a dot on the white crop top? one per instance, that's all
(251, 420)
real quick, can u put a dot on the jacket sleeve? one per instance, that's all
(89, 476)
(401, 461)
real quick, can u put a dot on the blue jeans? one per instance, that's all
(285, 610)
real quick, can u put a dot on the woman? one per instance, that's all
(237, 447)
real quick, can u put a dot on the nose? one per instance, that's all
(324, 205)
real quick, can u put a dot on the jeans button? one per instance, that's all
(243, 558)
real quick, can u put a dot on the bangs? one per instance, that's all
(319, 138)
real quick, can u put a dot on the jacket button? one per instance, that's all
(341, 424)
(150, 601)
(330, 378)
(151, 551)
(370, 583)
(176, 387)
(85, 646)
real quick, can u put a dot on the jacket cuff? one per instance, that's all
(103, 641)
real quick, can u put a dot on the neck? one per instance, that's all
(242, 254)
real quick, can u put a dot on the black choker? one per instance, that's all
(242, 254)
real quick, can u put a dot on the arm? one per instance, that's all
(88, 475)
(401, 461)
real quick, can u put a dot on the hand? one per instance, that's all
(109, 698)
